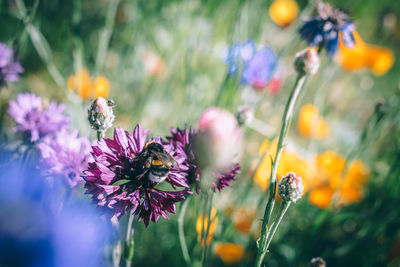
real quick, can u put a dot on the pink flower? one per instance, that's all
(218, 138)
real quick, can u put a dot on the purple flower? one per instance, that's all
(225, 178)
(184, 139)
(323, 29)
(258, 70)
(119, 180)
(35, 120)
(9, 68)
(66, 155)
(238, 55)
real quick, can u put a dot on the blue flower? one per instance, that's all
(258, 70)
(238, 55)
(323, 29)
(39, 228)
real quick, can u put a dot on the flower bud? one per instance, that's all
(307, 61)
(217, 142)
(245, 114)
(317, 262)
(100, 114)
(291, 187)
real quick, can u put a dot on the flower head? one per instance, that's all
(238, 55)
(283, 12)
(245, 114)
(9, 68)
(82, 83)
(230, 253)
(217, 141)
(119, 178)
(66, 155)
(291, 188)
(182, 139)
(100, 114)
(36, 232)
(202, 228)
(311, 124)
(36, 120)
(258, 70)
(307, 61)
(329, 178)
(243, 219)
(317, 262)
(377, 58)
(323, 29)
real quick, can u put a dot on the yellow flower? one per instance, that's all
(211, 228)
(354, 58)
(311, 124)
(377, 58)
(329, 178)
(352, 188)
(243, 219)
(101, 87)
(289, 162)
(230, 253)
(283, 12)
(321, 197)
(82, 83)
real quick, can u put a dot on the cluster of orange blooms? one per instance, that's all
(87, 87)
(376, 58)
(327, 176)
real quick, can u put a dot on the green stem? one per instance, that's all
(282, 210)
(129, 242)
(182, 239)
(286, 120)
(100, 135)
(207, 229)
(105, 35)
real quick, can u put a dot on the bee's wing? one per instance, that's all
(166, 159)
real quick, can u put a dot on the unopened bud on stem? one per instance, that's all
(317, 262)
(291, 187)
(100, 114)
(307, 61)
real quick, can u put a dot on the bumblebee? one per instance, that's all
(157, 162)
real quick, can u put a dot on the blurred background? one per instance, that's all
(164, 62)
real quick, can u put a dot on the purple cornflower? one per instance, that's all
(36, 120)
(9, 68)
(323, 29)
(66, 155)
(184, 139)
(258, 70)
(238, 55)
(120, 181)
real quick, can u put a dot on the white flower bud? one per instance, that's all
(307, 61)
(291, 187)
(100, 114)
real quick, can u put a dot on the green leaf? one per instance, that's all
(121, 182)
